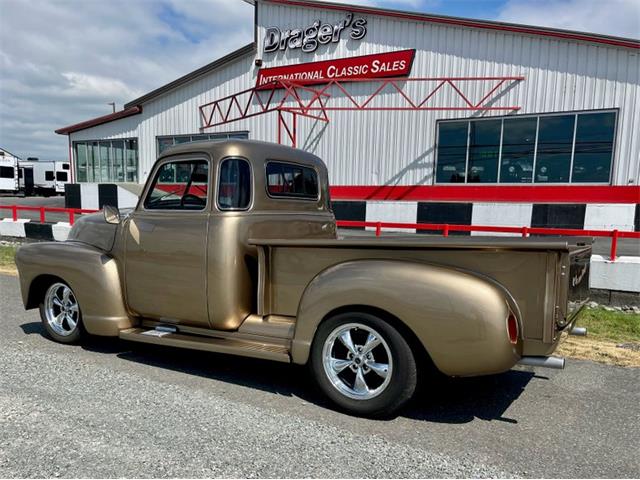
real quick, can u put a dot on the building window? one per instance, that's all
(290, 180)
(106, 160)
(169, 141)
(548, 148)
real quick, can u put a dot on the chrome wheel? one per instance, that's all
(357, 361)
(61, 309)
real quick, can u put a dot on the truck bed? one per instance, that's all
(535, 271)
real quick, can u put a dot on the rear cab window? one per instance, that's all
(289, 180)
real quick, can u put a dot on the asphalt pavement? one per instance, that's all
(109, 408)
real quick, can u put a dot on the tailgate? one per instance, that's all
(578, 284)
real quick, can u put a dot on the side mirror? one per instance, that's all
(111, 214)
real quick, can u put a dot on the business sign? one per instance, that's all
(379, 65)
(317, 33)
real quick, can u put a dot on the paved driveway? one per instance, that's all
(110, 408)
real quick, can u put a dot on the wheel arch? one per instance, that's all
(38, 287)
(419, 351)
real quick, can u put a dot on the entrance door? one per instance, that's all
(166, 241)
(28, 181)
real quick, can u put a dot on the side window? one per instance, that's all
(234, 189)
(61, 176)
(290, 180)
(6, 172)
(180, 185)
(48, 175)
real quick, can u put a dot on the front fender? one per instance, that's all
(458, 317)
(92, 275)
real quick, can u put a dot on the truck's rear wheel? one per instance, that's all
(60, 313)
(363, 364)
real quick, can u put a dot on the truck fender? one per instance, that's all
(460, 318)
(91, 273)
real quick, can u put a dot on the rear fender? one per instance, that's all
(459, 318)
(91, 273)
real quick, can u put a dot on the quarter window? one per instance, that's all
(291, 180)
(179, 186)
(551, 148)
(234, 189)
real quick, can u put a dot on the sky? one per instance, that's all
(63, 61)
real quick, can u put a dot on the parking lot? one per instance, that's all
(110, 408)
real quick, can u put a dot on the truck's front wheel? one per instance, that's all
(363, 364)
(60, 313)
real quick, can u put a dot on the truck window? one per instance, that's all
(180, 185)
(234, 189)
(6, 172)
(48, 175)
(65, 166)
(62, 176)
(291, 180)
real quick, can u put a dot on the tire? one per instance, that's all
(60, 314)
(388, 369)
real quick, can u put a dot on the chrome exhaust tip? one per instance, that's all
(578, 331)
(548, 362)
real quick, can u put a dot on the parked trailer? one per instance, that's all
(8, 172)
(43, 177)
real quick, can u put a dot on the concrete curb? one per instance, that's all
(23, 228)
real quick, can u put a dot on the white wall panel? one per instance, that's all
(500, 214)
(609, 217)
(398, 148)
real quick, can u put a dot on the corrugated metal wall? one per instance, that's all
(397, 148)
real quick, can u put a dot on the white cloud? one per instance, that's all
(63, 60)
(610, 17)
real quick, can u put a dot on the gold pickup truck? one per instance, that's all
(233, 248)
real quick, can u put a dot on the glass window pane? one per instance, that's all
(594, 147)
(81, 162)
(94, 165)
(105, 162)
(518, 144)
(187, 193)
(484, 150)
(131, 153)
(117, 152)
(164, 143)
(288, 180)
(183, 139)
(555, 141)
(197, 138)
(234, 191)
(452, 152)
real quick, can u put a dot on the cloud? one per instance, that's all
(611, 17)
(63, 60)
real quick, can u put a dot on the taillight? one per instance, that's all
(512, 328)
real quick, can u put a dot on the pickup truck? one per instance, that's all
(233, 248)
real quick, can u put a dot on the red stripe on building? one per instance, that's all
(487, 193)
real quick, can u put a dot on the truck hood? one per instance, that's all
(93, 230)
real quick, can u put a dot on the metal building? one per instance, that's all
(419, 117)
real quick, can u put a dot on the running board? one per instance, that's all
(231, 346)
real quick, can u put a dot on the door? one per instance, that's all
(28, 181)
(165, 242)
